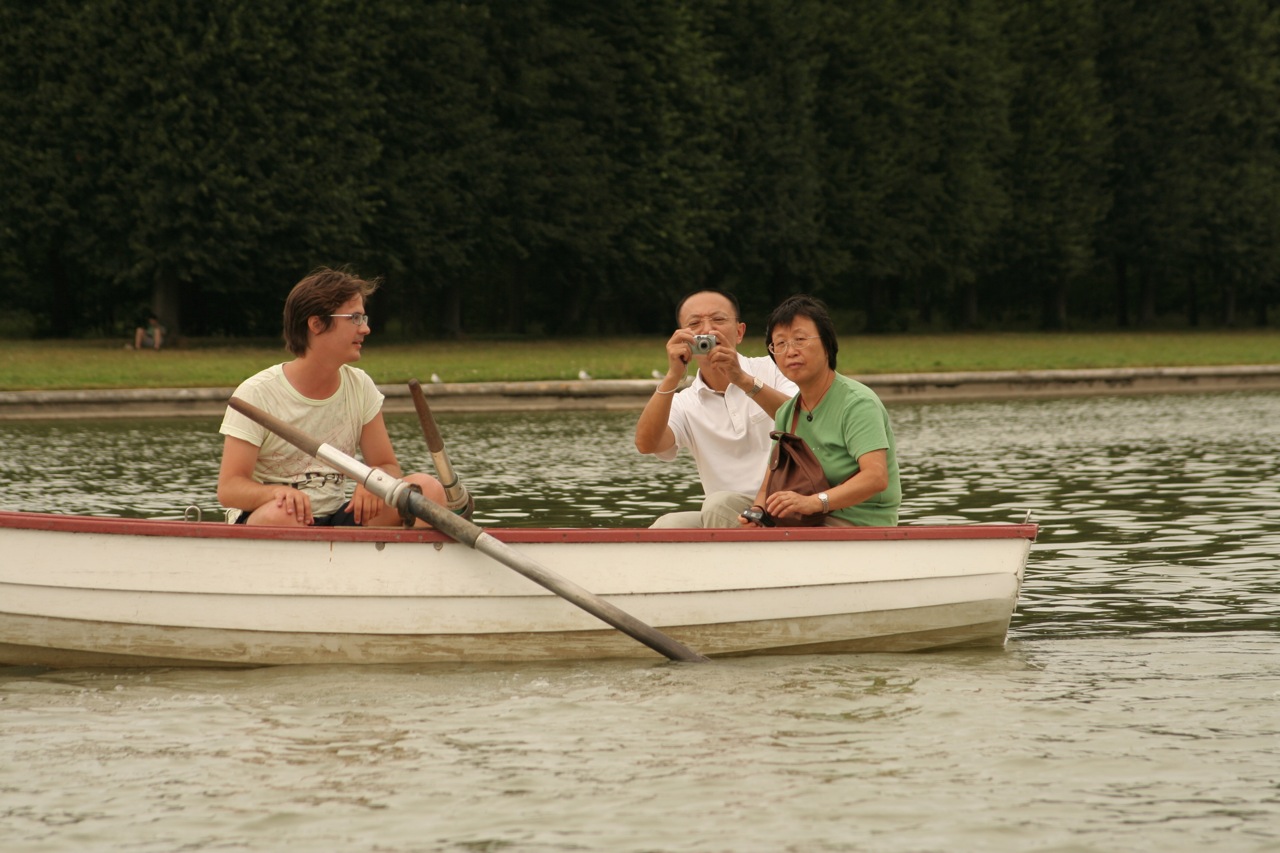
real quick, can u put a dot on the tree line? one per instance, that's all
(572, 167)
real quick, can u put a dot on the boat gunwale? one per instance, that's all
(113, 525)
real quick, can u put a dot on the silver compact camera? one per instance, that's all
(703, 344)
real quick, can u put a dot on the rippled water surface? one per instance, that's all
(1137, 706)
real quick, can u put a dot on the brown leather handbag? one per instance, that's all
(793, 467)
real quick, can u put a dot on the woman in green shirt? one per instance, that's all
(842, 420)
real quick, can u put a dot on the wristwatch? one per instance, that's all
(826, 504)
(756, 387)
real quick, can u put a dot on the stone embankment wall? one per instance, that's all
(632, 393)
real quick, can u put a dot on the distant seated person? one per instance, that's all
(268, 481)
(150, 336)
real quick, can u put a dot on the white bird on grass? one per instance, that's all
(657, 374)
(582, 374)
(435, 377)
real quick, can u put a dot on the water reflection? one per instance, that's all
(1158, 513)
(573, 469)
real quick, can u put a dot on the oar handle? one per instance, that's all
(397, 493)
(456, 496)
(435, 441)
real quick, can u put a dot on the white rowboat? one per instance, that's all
(79, 591)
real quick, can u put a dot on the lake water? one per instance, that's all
(1136, 707)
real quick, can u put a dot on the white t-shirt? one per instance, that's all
(337, 421)
(728, 434)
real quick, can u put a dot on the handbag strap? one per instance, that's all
(795, 422)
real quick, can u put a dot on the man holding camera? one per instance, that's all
(723, 418)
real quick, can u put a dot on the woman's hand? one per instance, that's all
(792, 505)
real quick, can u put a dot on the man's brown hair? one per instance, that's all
(320, 294)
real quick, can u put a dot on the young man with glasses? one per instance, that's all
(266, 480)
(723, 417)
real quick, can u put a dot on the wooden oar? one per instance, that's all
(456, 496)
(399, 494)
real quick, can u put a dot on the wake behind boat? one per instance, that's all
(82, 591)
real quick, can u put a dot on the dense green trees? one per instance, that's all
(184, 156)
(1057, 173)
(571, 166)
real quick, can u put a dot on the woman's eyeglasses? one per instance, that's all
(356, 319)
(780, 347)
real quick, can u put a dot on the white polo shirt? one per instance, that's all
(728, 434)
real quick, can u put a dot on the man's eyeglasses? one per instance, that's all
(799, 343)
(714, 319)
(356, 319)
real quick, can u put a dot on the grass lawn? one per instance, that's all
(46, 365)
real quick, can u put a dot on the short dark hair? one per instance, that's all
(320, 294)
(733, 300)
(803, 305)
